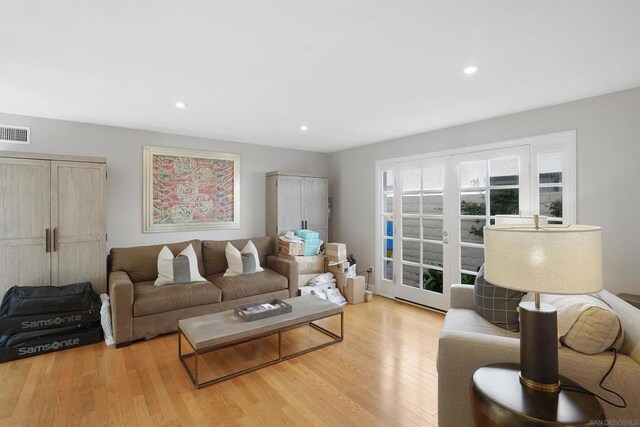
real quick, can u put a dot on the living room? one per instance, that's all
(467, 113)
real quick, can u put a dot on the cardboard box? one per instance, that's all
(339, 271)
(355, 289)
(368, 296)
(290, 248)
(307, 264)
(336, 252)
(307, 234)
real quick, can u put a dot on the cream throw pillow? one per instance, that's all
(242, 262)
(178, 270)
(586, 323)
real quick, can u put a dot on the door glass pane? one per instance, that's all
(467, 279)
(387, 226)
(504, 202)
(504, 171)
(432, 204)
(472, 203)
(411, 251)
(387, 180)
(411, 203)
(411, 179)
(387, 248)
(411, 275)
(472, 231)
(550, 168)
(432, 254)
(471, 258)
(387, 269)
(411, 228)
(433, 179)
(551, 201)
(432, 280)
(387, 203)
(432, 229)
(473, 174)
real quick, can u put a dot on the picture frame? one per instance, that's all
(185, 190)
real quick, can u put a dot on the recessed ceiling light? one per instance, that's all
(471, 69)
(304, 128)
(181, 105)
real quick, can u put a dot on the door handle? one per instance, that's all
(445, 241)
(47, 240)
(55, 239)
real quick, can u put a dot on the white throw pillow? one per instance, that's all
(178, 270)
(242, 262)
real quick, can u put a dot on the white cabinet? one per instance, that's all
(296, 201)
(52, 220)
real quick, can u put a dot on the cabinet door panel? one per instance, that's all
(315, 203)
(289, 203)
(78, 219)
(23, 264)
(80, 261)
(24, 219)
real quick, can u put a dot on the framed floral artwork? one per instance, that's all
(190, 190)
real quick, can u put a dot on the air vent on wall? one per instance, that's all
(15, 134)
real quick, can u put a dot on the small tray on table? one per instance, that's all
(262, 310)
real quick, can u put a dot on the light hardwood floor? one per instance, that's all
(383, 373)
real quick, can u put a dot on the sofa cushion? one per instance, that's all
(235, 287)
(150, 299)
(460, 319)
(141, 262)
(215, 260)
(497, 304)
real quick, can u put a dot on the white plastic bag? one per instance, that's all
(351, 272)
(105, 319)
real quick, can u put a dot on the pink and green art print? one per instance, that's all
(191, 192)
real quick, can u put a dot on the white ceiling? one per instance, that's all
(355, 72)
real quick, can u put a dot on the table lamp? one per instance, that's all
(551, 259)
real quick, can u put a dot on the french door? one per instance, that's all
(488, 183)
(434, 211)
(421, 232)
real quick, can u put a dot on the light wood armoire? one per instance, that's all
(297, 201)
(52, 220)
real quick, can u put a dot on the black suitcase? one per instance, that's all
(73, 336)
(32, 308)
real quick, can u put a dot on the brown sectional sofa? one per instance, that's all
(141, 310)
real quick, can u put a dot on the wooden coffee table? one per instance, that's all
(220, 330)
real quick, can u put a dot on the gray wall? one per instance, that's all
(608, 169)
(123, 150)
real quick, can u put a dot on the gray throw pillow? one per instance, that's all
(181, 270)
(248, 264)
(496, 304)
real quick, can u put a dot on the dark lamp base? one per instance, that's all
(539, 347)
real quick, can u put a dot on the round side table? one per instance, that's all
(498, 399)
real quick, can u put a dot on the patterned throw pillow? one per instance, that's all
(498, 305)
